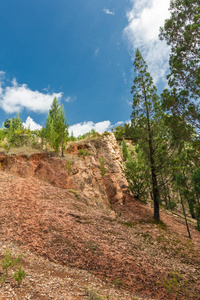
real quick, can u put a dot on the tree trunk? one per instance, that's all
(185, 216)
(156, 196)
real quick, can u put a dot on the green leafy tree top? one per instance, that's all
(182, 33)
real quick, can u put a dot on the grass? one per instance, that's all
(76, 194)
(117, 282)
(128, 224)
(92, 294)
(92, 246)
(175, 284)
(83, 152)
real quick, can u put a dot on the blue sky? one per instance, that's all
(81, 52)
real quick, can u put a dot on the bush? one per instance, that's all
(92, 294)
(8, 263)
(19, 275)
(124, 150)
(171, 205)
(102, 167)
(83, 152)
(68, 167)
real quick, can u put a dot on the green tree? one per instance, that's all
(16, 134)
(124, 150)
(182, 33)
(145, 118)
(56, 127)
(137, 173)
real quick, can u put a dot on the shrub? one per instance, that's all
(92, 294)
(171, 204)
(124, 150)
(83, 152)
(8, 263)
(68, 166)
(102, 167)
(19, 275)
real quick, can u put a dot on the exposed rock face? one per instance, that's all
(79, 170)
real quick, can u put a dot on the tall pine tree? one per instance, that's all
(145, 117)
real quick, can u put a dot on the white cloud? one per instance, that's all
(108, 12)
(29, 123)
(144, 21)
(16, 97)
(82, 128)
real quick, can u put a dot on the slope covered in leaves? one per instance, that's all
(118, 243)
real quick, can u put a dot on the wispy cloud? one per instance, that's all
(16, 97)
(96, 52)
(144, 21)
(47, 89)
(29, 123)
(71, 99)
(108, 12)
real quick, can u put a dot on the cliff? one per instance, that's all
(80, 170)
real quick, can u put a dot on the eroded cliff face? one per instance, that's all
(80, 170)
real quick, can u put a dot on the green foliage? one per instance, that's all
(76, 194)
(91, 134)
(92, 294)
(72, 137)
(56, 131)
(19, 275)
(124, 150)
(182, 33)
(69, 167)
(123, 131)
(8, 263)
(148, 125)
(102, 167)
(83, 152)
(128, 224)
(117, 282)
(15, 135)
(137, 174)
(171, 204)
(172, 281)
(16, 123)
(196, 182)
(198, 216)
(175, 284)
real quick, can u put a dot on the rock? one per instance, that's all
(84, 175)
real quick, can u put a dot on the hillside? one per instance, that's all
(78, 227)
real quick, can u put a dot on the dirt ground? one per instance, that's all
(72, 250)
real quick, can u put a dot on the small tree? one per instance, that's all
(56, 127)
